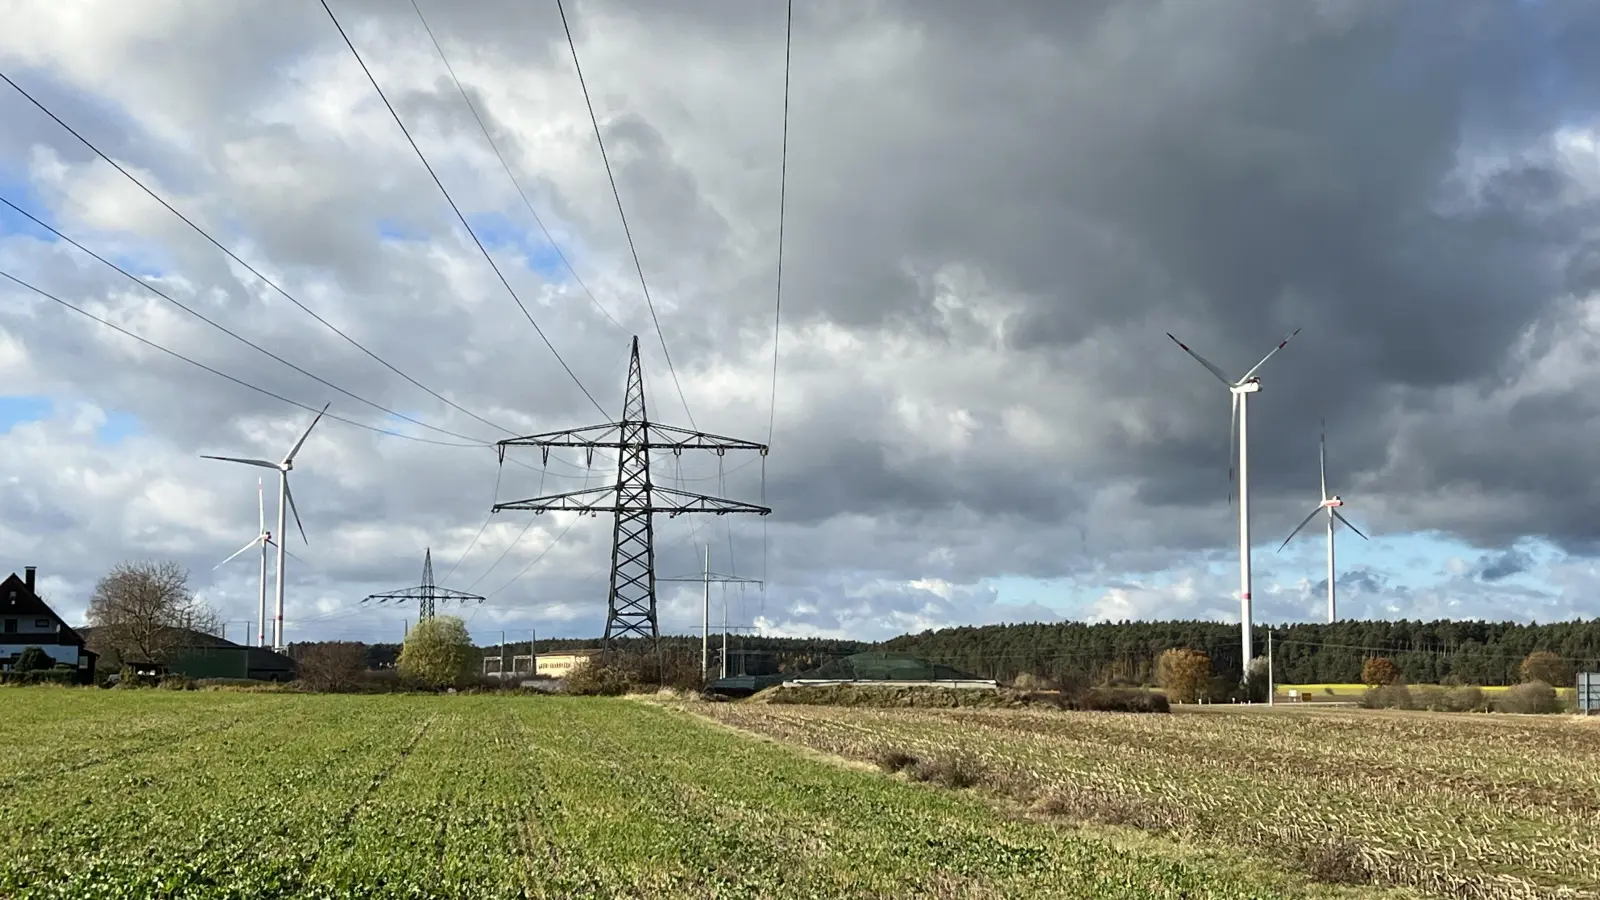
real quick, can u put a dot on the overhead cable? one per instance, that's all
(494, 145)
(242, 383)
(251, 269)
(617, 195)
(230, 333)
(459, 215)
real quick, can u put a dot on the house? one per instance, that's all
(560, 663)
(27, 621)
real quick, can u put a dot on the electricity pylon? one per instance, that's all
(426, 594)
(633, 500)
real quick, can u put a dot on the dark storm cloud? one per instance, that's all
(1087, 176)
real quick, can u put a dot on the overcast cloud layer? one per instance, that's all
(995, 211)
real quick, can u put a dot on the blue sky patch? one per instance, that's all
(15, 187)
(119, 426)
(16, 410)
(498, 232)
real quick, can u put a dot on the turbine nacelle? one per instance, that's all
(1250, 385)
(1333, 502)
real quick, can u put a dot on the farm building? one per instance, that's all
(195, 654)
(881, 667)
(27, 621)
(559, 663)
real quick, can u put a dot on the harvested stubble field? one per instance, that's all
(147, 794)
(1457, 806)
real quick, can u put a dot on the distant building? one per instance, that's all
(558, 663)
(196, 654)
(27, 621)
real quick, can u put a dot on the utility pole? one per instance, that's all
(502, 654)
(706, 578)
(1270, 689)
(426, 594)
(633, 501)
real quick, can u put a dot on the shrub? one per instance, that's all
(1133, 700)
(958, 771)
(892, 761)
(437, 653)
(1184, 673)
(39, 676)
(1428, 696)
(1542, 665)
(331, 666)
(1378, 671)
(1031, 682)
(1533, 697)
(1337, 862)
(1389, 696)
(590, 678)
(32, 659)
(1466, 698)
(175, 683)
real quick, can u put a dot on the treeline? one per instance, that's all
(748, 654)
(1485, 653)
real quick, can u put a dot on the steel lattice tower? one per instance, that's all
(426, 594)
(633, 501)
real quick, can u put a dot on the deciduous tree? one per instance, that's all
(1542, 665)
(1378, 671)
(144, 611)
(438, 652)
(331, 665)
(1186, 674)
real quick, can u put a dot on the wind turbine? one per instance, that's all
(1331, 503)
(263, 537)
(1238, 430)
(285, 502)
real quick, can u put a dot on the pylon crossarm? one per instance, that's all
(662, 500)
(671, 437)
(587, 436)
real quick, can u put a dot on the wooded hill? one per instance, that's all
(1484, 653)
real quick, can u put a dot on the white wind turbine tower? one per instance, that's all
(263, 537)
(1331, 503)
(285, 502)
(1238, 430)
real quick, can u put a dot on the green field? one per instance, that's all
(144, 794)
(1486, 806)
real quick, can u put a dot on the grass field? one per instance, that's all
(1456, 805)
(146, 794)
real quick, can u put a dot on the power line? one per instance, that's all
(777, 310)
(507, 166)
(235, 257)
(498, 472)
(230, 333)
(242, 383)
(617, 195)
(448, 199)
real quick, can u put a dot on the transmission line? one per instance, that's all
(494, 145)
(777, 307)
(233, 334)
(235, 257)
(459, 215)
(617, 195)
(242, 383)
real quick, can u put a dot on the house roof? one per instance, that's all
(17, 600)
(187, 637)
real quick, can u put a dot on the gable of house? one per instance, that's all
(27, 621)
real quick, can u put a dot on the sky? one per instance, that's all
(994, 216)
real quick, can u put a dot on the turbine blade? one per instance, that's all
(1202, 360)
(1297, 528)
(1233, 446)
(249, 462)
(1322, 458)
(1348, 525)
(236, 553)
(300, 443)
(289, 495)
(1281, 344)
(286, 551)
(261, 506)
